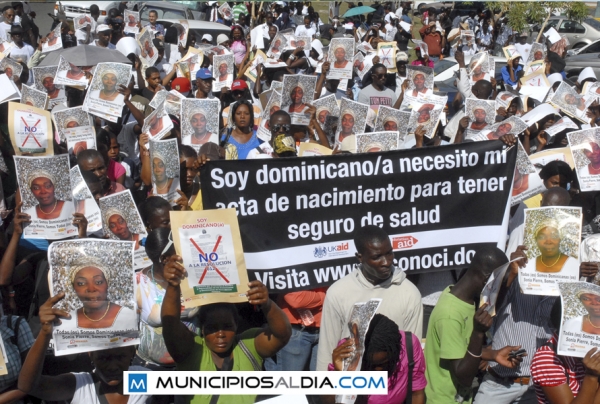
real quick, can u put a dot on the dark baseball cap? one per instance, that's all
(158, 44)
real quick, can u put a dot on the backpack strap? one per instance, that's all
(411, 365)
(255, 364)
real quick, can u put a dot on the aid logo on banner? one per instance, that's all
(138, 383)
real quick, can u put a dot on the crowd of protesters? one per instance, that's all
(467, 355)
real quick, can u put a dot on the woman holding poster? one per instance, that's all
(159, 171)
(41, 183)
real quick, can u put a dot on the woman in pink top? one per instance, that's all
(385, 350)
(238, 45)
(422, 60)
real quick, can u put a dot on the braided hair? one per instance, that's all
(383, 335)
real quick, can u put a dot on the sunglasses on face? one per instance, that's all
(237, 93)
(284, 127)
(379, 76)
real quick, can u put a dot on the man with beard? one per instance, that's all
(91, 160)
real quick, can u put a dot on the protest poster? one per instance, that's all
(341, 56)
(578, 331)
(182, 32)
(562, 124)
(43, 79)
(425, 115)
(70, 75)
(257, 38)
(157, 124)
(387, 55)
(504, 99)
(481, 113)
(490, 291)
(510, 52)
(540, 159)
(164, 157)
(226, 11)
(80, 138)
(539, 113)
(30, 129)
(479, 68)
(172, 100)
(353, 119)
(103, 95)
(81, 21)
(513, 125)
(535, 79)
(11, 68)
(70, 118)
(467, 36)
(585, 148)
(435, 223)
(537, 66)
(32, 97)
(5, 46)
(273, 105)
(304, 42)
(121, 221)
(570, 102)
(10, 90)
(84, 201)
(277, 46)
(420, 80)
(552, 236)
(222, 72)
(45, 187)
(390, 119)
(362, 64)
(537, 53)
(308, 149)
(526, 181)
(374, 142)
(131, 21)
(148, 52)
(298, 92)
(53, 40)
(108, 321)
(210, 244)
(252, 72)
(199, 121)
(189, 65)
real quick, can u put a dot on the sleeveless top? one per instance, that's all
(244, 148)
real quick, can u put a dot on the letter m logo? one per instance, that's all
(138, 383)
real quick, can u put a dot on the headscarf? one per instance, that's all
(546, 223)
(111, 212)
(586, 291)
(348, 112)
(85, 262)
(39, 174)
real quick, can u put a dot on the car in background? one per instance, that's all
(576, 63)
(167, 11)
(462, 8)
(75, 8)
(579, 34)
(447, 68)
(199, 28)
(594, 47)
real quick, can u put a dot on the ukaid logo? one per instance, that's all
(335, 250)
(399, 243)
(137, 382)
(255, 383)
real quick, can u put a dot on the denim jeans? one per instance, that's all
(495, 391)
(300, 353)
(434, 59)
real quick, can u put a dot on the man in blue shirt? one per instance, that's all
(510, 72)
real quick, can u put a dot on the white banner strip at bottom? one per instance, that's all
(254, 383)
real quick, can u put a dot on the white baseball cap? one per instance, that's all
(222, 38)
(208, 37)
(103, 27)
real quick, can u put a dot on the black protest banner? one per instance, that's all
(298, 215)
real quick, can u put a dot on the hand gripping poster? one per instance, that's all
(121, 221)
(526, 181)
(210, 244)
(45, 187)
(30, 129)
(341, 56)
(84, 201)
(580, 322)
(552, 236)
(585, 147)
(104, 318)
(164, 158)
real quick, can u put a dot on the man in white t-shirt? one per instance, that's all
(9, 18)
(523, 47)
(21, 51)
(104, 33)
(307, 29)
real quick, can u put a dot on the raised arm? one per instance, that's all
(321, 80)
(278, 331)
(7, 265)
(31, 380)
(178, 339)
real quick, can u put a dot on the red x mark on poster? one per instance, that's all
(210, 264)
(30, 133)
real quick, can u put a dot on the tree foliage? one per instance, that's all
(521, 15)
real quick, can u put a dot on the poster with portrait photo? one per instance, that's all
(252, 72)
(209, 241)
(121, 221)
(298, 92)
(70, 74)
(425, 115)
(80, 138)
(536, 54)
(387, 55)
(490, 291)
(563, 123)
(84, 201)
(53, 40)
(420, 80)
(110, 319)
(33, 97)
(481, 113)
(579, 331)
(11, 68)
(585, 148)
(504, 98)
(171, 99)
(390, 119)
(199, 121)
(45, 187)
(591, 91)
(374, 142)
(327, 114)
(81, 21)
(273, 105)
(30, 129)
(467, 36)
(70, 118)
(479, 68)
(157, 124)
(589, 249)
(552, 237)
(526, 181)
(148, 52)
(360, 317)
(513, 125)
(103, 95)
(352, 120)
(131, 20)
(362, 64)
(164, 159)
(570, 102)
(43, 79)
(226, 11)
(5, 46)
(341, 56)
(182, 32)
(223, 66)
